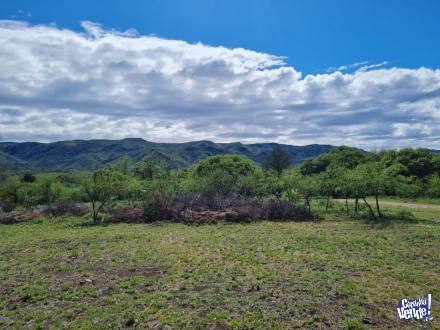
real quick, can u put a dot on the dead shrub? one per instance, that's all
(19, 217)
(127, 215)
(200, 210)
(60, 208)
(203, 217)
(282, 210)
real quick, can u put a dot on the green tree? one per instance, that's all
(418, 162)
(223, 175)
(49, 189)
(131, 190)
(434, 186)
(29, 195)
(344, 157)
(149, 168)
(101, 187)
(278, 160)
(328, 183)
(123, 165)
(306, 186)
(9, 193)
(372, 180)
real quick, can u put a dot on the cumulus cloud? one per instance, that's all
(60, 84)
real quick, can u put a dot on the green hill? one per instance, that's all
(90, 155)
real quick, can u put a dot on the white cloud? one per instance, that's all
(60, 84)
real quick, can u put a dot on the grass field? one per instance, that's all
(434, 201)
(336, 274)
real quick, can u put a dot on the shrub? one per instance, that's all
(159, 207)
(434, 186)
(101, 188)
(127, 215)
(159, 199)
(224, 175)
(9, 192)
(28, 195)
(15, 217)
(28, 177)
(48, 190)
(198, 210)
(409, 190)
(204, 217)
(7, 206)
(282, 210)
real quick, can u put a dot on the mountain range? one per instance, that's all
(90, 155)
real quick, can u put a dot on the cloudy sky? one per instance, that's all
(91, 80)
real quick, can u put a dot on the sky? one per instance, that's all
(343, 72)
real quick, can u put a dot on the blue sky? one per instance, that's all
(361, 73)
(313, 34)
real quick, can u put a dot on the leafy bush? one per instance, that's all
(101, 187)
(224, 176)
(434, 186)
(409, 189)
(28, 195)
(9, 193)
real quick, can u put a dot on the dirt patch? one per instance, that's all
(124, 271)
(100, 279)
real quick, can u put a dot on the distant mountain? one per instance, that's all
(90, 155)
(434, 151)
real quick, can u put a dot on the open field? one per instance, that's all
(59, 273)
(409, 205)
(420, 210)
(400, 203)
(429, 201)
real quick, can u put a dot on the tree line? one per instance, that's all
(344, 173)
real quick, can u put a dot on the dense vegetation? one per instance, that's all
(151, 190)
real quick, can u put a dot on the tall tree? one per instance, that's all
(278, 160)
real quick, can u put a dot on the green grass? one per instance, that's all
(338, 274)
(396, 213)
(420, 200)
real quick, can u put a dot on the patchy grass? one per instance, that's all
(398, 211)
(420, 200)
(57, 273)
